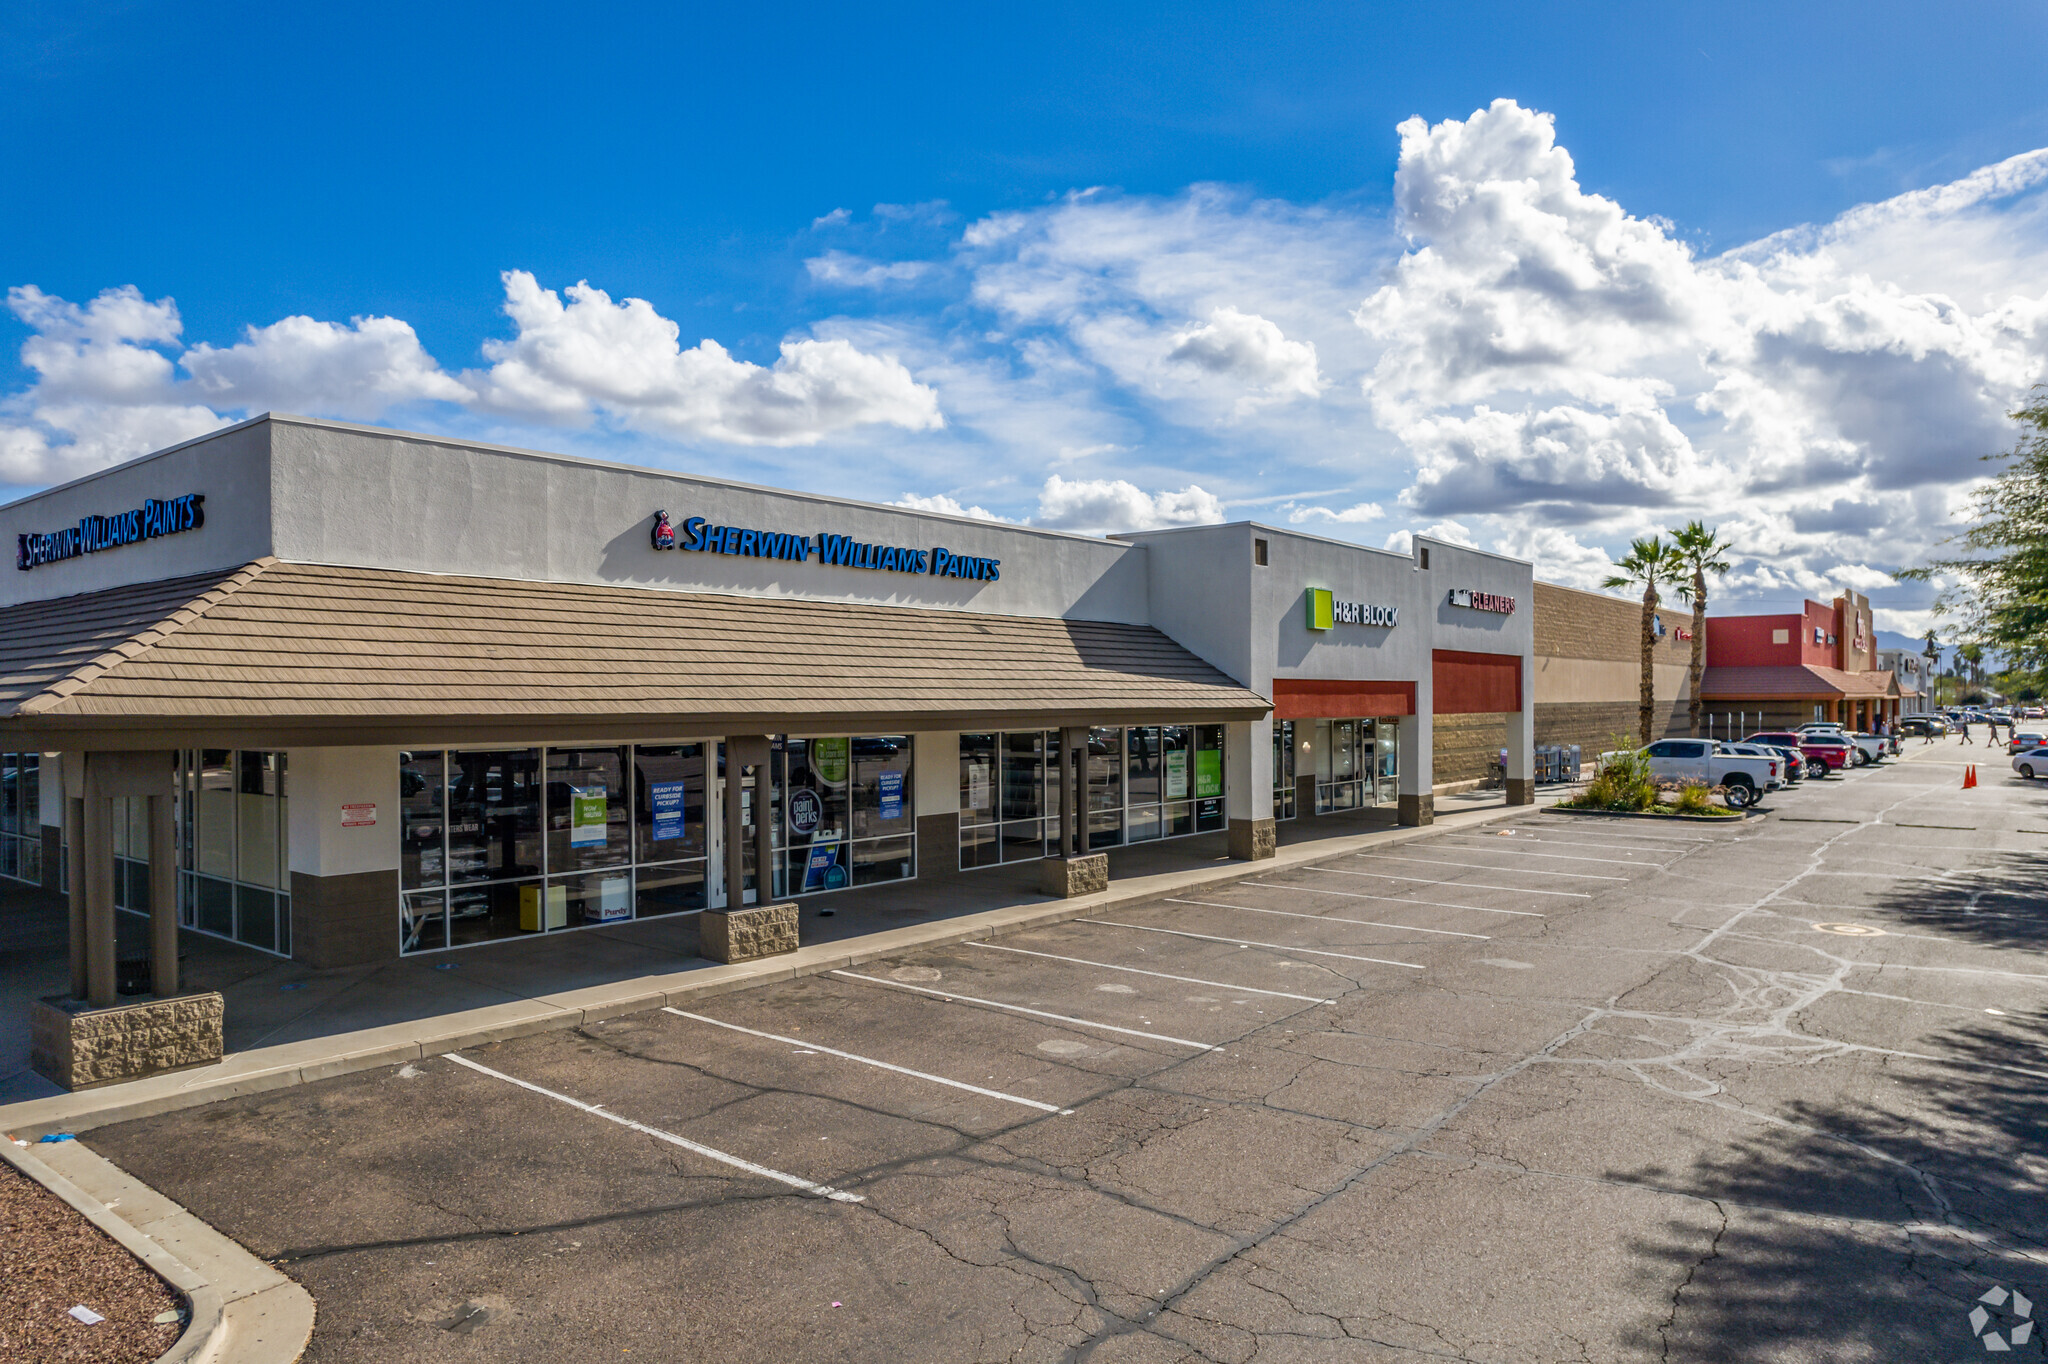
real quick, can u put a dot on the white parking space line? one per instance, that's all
(879, 1065)
(1333, 919)
(1562, 857)
(954, 998)
(1478, 866)
(708, 1152)
(1397, 899)
(1621, 840)
(1185, 980)
(1246, 942)
(1463, 885)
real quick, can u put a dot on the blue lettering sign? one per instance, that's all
(696, 535)
(891, 792)
(95, 533)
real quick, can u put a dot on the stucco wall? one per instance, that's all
(363, 496)
(230, 468)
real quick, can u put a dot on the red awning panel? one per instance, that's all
(1300, 698)
(1475, 684)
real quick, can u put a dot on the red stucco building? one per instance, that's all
(1819, 663)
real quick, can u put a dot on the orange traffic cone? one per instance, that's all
(1969, 776)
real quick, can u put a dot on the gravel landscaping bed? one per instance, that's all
(51, 1260)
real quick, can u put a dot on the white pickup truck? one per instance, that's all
(1685, 761)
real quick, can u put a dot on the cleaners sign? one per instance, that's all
(1482, 601)
(95, 533)
(701, 536)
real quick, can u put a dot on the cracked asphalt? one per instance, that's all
(1554, 1089)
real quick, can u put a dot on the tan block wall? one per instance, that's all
(1588, 668)
(1464, 744)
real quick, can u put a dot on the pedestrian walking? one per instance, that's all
(1964, 723)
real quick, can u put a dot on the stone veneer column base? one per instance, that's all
(1415, 811)
(1253, 840)
(1521, 791)
(730, 935)
(83, 1048)
(1063, 878)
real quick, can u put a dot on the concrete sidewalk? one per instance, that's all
(292, 1026)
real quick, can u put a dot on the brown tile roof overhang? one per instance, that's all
(278, 653)
(1796, 680)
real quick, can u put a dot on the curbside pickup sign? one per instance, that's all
(1325, 612)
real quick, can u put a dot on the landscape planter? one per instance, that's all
(731, 935)
(1656, 814)
(80, 1047)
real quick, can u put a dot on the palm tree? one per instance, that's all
(1648, 563)
(1699, 550)
(1972, 657)
(1931, 651)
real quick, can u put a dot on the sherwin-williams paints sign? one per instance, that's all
(95, 533)
(1325, 612)
(844, 551)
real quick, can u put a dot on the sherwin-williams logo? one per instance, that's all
(1325, 612)
(701, 536)
(95, 533)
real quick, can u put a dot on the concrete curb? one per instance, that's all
(1741, 818)
(243, 1311)
(296, 1063)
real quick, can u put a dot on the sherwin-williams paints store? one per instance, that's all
(341, 693)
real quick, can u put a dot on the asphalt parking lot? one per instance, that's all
(1553, 1089)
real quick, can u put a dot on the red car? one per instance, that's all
(1824, 753)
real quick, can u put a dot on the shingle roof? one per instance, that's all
(1792, 679)
(323, 646)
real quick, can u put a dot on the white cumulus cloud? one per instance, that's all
(573, 360)
(946, 506)
(299, 364)
(1252, 353)
(1111, 504)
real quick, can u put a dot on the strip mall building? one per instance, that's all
(342, 693)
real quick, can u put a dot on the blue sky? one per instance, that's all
(1085, 265)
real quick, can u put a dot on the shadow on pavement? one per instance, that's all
(1868, 1229)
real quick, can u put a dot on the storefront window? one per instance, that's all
(1144, 782)
(499, 844)
(233, 833)
(1283, 769)
(980, 827)
(21, 817)
(1355, 764)
(846, 814)
(589, 824)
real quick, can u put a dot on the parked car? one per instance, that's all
(1923, 724)
(1741, 778)
(1795, 765)
(1868, 748)
(1823, 752)
(1777, 777)
(2031, 763)
(2024, 740)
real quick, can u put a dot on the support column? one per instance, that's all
(163, 899)
(1073, 792)
(100, 983)
(1418, 771)
(74, 877)
(1248, 789)
(735, 869)
(743, 751)
(1073, 870)
(1521, 741)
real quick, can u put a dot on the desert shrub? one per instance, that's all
(1694, 799)
(1623, 783)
